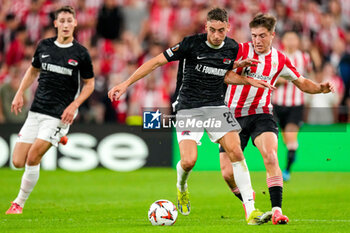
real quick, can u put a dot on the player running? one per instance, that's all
(61, 61)
(253, 110)
(288, 100)
(204, 60)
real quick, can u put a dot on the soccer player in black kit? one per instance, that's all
(204, 61)
(61, 61)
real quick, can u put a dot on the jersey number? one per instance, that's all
(229, 118)
(57, 131)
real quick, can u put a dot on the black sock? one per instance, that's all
(276, 196)
(291, 158)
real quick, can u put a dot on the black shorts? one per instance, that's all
(285, 115)
(254, 125)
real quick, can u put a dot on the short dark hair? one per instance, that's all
(218, 14)
(264, 20)
(67, 9)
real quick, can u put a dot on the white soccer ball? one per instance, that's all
(162, 212)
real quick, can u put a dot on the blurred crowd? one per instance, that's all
(122, 34)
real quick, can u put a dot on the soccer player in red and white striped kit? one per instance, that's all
(288, 100)
(253, 109)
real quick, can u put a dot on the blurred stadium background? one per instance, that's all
(123, 34)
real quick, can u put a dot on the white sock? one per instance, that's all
(29, 179)
(182, 177)
(276, 208)
(242, 179)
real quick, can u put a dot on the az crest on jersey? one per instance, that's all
(72, 62)
(227, 61)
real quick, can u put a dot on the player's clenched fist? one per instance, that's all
(327, 87)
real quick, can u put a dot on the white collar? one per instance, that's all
(63, 45)
(215, 47)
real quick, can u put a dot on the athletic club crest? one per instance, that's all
(72, 62)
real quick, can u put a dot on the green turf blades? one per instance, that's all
(107, 201)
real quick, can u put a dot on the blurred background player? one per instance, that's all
(60, 61)
(253, 109)
(288, 100)
(204, 61)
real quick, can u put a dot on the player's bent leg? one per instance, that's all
(20, 153)
(31, 174)
(267, 145)
(231, 144)
(188, 153)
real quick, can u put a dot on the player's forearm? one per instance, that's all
(308, 86)
(28, 79)
(146, 69)
(235, 79)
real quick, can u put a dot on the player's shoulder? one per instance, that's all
(279, 53)
(80, 47)
(231, 42)
(47, 41)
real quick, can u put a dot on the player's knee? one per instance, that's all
(18, 163)
(235, 153)
(188, 162)
(33, 157)
(271, 159)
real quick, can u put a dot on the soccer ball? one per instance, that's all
(162, 212)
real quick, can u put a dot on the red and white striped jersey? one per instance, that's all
(247, 100)
(288, 94)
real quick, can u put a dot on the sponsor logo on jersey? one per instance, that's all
(72, 62)
(45, 55)
(56, 69)
(210, 70)
(176, 47)
(247, 72)
(227, 61)
(151, 120)
(200, 58)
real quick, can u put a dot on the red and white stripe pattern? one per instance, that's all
(288, 94)
(274, 181)
(246, 100)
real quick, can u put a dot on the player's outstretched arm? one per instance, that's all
(309, 86)
(235, 79)
(142, 71)
(67, 116)
(28, 79)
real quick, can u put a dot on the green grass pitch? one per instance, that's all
(107, 201)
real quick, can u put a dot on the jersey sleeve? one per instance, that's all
(179, 51)
(289, 71)
(36, 59)
(86, 68)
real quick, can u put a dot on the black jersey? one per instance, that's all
(61, 67)
(202, 70)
